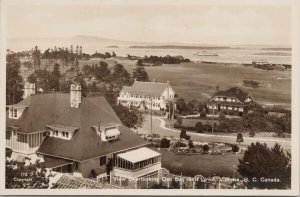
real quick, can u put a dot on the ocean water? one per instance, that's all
(242, 54)
(224, 55)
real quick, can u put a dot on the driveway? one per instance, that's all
(158, 126)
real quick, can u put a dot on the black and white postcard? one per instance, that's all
(149, 97)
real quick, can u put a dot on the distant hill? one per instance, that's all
(89, 43)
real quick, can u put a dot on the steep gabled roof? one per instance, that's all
(54, 109)
(233, 92)
(46, 109)
(87, 145)
(146, 88)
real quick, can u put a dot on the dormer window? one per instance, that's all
(15, 111)
(62, 131)
(108, 131)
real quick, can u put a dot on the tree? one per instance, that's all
(200, 184)
(140, 74)
(239, 138)
(235, 148)
(199, 127)
(175, 184)
(190, 144)
(36, 57)
(120, 75)
(128, 118)
(55, 77)
(182, 107)
(14, 82)
(205, 148)
(164, 143)
(260, 163)
(252, 133)
(102, 71)
(32, 178)
(183, 133)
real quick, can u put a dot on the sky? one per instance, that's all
(191, 24)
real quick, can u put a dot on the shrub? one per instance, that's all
(191, 145)
(203, 115)
(235, 148)
(205, 148)
(164, 143)
(187, 137)
(199, 127)
(175, 184)
(252, 133)
(183, 133)
(239, 138)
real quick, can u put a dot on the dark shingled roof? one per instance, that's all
(54, 108)
(146, 88)
(233, 92)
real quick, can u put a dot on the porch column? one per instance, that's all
(27, 143)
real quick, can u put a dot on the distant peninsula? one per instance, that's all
(113, 46)
(277, 49)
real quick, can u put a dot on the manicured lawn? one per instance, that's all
(205, 165)
(199, 80)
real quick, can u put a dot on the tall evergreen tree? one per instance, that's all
(140, 74)
(260, 163)
(55, 77)
(120, 75)
(14, 82)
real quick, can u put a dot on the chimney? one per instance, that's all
(217, 88)
(29, 89)
(75, 95)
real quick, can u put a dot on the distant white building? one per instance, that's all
(144, 94)
(29, 89)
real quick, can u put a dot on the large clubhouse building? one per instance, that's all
(79, 136)
(147, 95)
(233, 101)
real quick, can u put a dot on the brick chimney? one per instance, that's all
(75, 95)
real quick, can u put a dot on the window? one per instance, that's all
(15, 114)
(67, 135)
(102, 160)
(56, 133)
(11, 112)
(64, 134)
(76, 165)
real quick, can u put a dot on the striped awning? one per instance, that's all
(112, 132)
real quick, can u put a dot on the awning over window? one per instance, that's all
(60, 127)
(138, 155)
(112, 132)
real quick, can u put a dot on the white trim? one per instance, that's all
(226, 97)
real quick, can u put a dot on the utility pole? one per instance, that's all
(212, 128)
(151, 113)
